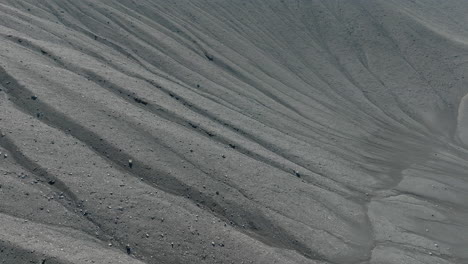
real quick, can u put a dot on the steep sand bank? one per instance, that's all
(266, 131)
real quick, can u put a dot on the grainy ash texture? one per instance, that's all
(263, 131)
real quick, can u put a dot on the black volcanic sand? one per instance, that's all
(263, 131)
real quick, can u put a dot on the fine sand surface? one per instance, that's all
(232, 131)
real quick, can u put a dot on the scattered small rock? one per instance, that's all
(209, 56)
(140, 101)
(130, 163)
(213, 243)
(34, 97)
(129, 250)
(297, 173)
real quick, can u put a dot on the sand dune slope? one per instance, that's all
(264, 131)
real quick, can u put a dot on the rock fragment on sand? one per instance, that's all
(209, 56)
(129, 250)
(297, 173)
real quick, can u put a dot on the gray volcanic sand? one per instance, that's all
(263, 131)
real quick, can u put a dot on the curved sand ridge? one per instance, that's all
(462, 121)
(233, 131)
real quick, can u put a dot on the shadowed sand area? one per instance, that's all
(263, 131)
